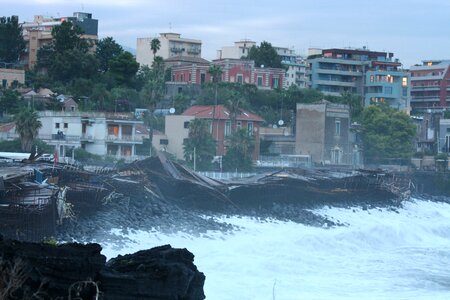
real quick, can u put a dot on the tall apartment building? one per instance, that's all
(171, 44)
(373, 75)
(430, 84)
(39, 33)
(295, 67)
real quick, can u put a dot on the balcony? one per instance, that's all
(335, 83)
(124, 139)
(177, 49)
(87, 138)
(60, 138)
(339, 72)
(194, 51)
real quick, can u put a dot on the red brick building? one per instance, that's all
(220, 126)
(233, 70)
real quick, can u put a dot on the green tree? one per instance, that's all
(239, 151)
(12, 44)
(106, 50)
(265, 55)
(67, 56)
(123, 68)
(73, 63)
(155, 45)
(355, 102)
(199, 144)
(27, 126)
(9, 101)
(67, 36)
(386, 134)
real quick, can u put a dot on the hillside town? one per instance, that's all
(104, 147)
(306, 110)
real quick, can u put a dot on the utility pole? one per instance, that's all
(195, 160)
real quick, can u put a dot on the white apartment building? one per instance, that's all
(237, 51)
(296, 67)
(172, 44)
(111, 134)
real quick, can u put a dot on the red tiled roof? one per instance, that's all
(221, 113)
(7, 127)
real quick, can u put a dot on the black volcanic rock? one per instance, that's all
(45, 271)
(159, 273)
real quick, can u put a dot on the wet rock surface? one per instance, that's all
(76, 271)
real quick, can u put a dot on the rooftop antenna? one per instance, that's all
(170, 26)
(82, 7)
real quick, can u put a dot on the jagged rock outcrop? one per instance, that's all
(158, 273)
(77, 271)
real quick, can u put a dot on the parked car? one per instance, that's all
(46, 157)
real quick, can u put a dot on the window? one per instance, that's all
(337, 125)
(186, 124)
(239, 125)
(210, 127)
(275, 83)
(405, 92)
(250, 128)
(372, 78)
(260, 81)
(405, 81)
(202, 78)
(239, 78)
(164, 142)
(227, 130)
(66, 125)
(190, 77)
(57, 125)
(388, 90)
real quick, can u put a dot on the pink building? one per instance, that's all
(220, 125)
(233, 70)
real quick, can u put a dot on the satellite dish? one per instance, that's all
(281, 122)
(172, 110)
(274, 126)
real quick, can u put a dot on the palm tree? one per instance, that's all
(155, 45)
(200, 144)
(27, 126)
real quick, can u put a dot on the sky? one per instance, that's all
(413, 30)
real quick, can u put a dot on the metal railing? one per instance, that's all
(226, 175)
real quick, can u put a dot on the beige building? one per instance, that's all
(322, 131)
(237, 51)
(39, 33)
(172, 44)
(9, 77)
(177, 129)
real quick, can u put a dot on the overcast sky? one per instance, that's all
(413, 29)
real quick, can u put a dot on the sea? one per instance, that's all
(378, 253)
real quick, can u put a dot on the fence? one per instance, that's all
(226, 175)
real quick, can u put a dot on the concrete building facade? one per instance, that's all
(372, 75)
(98, 133)
(11, 77)
(322, 131)
(221, 127)
(39, 33)
(430, 84)
(295, 68)
(171, 44)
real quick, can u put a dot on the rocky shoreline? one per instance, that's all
(77, 271)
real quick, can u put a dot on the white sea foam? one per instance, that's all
(380, 254)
